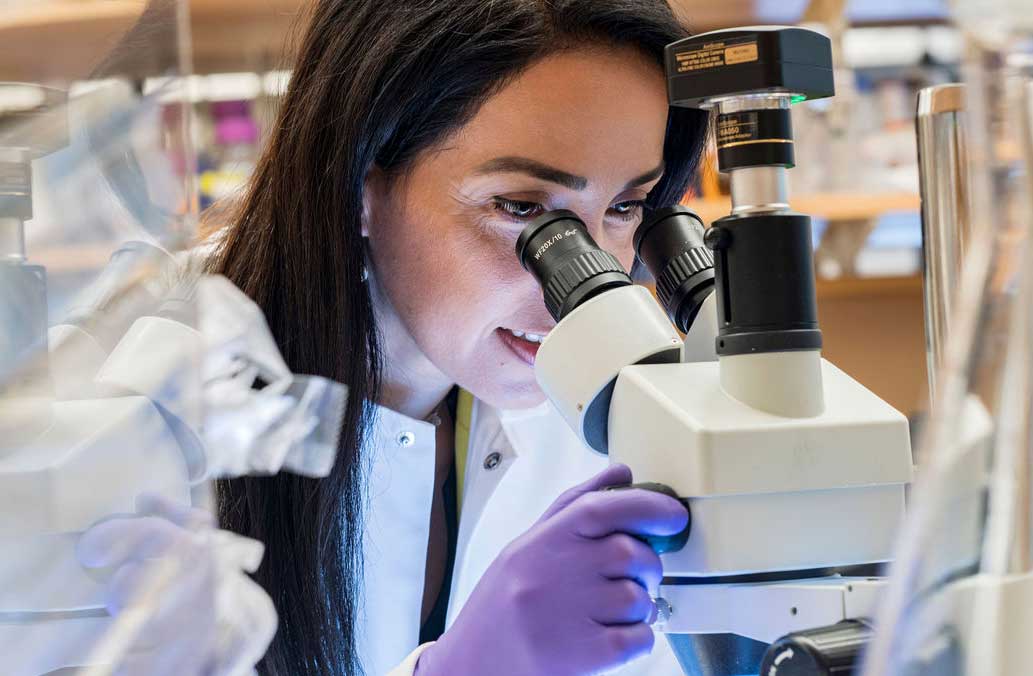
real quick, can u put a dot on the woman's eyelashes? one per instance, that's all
(629, 210)
(517, 210)
(522, 210)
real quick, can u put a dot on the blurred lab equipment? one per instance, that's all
(794, 473)
(962, 584)
(129, 381)
(236, 151)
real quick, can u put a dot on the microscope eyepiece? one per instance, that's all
(670, 244)
(570, 267)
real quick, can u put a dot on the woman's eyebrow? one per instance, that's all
(524, 165)
(647, 177)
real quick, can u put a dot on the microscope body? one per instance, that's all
(769, 492)
(92, 461)
(751, 475)
(794, 473)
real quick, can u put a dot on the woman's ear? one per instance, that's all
(373, 194)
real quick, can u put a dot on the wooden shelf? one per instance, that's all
(831, 206)
(262, 33)
(869, 287)
(861, 288)
(57, 41)
(60, 40)
(54, 40)
(47, 40)
(66, 12)
(73, 259)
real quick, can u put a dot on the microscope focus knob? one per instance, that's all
(662, 544)
(827, 651)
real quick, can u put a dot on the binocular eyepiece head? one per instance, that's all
(670, 244)
(571, 268)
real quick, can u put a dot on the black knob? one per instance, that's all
(827, 651)
(670, 244)
(662, 544)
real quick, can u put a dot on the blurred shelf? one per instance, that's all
(868, 287)
(67, 12)
(262, 33)
(73, 259)
(60, 39)
(227, 35)
(861, 288)
(860, 207)
(263, 30)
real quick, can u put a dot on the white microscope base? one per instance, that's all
(93, 461)
(40, 646)
(78, 470)
(766, 492)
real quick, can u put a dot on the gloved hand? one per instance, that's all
(179, 592)
(572, 595)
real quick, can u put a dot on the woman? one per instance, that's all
(415, 142)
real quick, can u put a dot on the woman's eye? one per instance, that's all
(628, 210)
(518, 209)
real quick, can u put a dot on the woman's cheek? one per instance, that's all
(493, 257)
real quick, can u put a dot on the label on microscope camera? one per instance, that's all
(737, 128)
(718, 54)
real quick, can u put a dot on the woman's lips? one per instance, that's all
(525, 349)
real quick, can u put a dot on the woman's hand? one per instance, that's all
(179, 592)
(572, 595)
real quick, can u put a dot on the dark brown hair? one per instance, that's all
(375, 83)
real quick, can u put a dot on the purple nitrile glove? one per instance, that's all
(572, 595)
(181, 585)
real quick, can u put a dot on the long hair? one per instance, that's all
(375, 82)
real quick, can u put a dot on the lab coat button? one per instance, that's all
(493, 460)
(406, 439)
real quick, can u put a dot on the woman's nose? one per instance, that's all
(620, 244)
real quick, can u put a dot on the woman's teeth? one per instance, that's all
(531, 337)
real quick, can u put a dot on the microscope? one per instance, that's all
(794, 474)
(153, 382)
(47, 445)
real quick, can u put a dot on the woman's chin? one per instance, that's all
(512, 395)
(528, 400)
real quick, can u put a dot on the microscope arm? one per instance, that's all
(702, 334)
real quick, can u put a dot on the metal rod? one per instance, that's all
(944, 184)
(759, 189)
(12, 239)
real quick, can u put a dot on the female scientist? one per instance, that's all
(416, 141)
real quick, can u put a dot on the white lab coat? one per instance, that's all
(518, 462)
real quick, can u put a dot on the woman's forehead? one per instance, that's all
(584, 110)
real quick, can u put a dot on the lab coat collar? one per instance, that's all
(399, 491)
